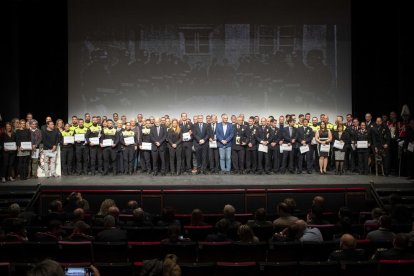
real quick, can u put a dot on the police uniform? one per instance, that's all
(274, 154)
(238, 148)
(81, 151)
(263, 162)
(129, 150)
(66, 153)
(187, 147)
(381, 136)
(95, 150)
(305, 134)
(87, 124)
(251, 152)
(287, 135)
(363, 153)
(109, 153)
(145, 155)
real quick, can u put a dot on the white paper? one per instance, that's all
(26, 145)
(146, 146)
(281, 149)
(338, 144)
(325, 148)
(212, 144)
(286, 147)
(313, 141)
(362, 144)
(68, 139)
(410, 147)
(107, 142)
(80, 137)
(50, 154)
(94, 140)
(263, 148)
(304, 149)
(186, 136)
(10, 146)
(129, 140)
(35, 153)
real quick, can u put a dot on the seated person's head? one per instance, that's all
(174, 232)
(348, 241)
(109, 221)
(78, 214)
(197, 217)
(245, 233)
(113, 211)
(376, 213)
(229, 211)
(385, 221)
(317, 212)
(223, 226)
(291, 203)
(260, 214)
(55, 206)
(138, 214)
(80, 227)
(296, 230)
(344, 212)
(46, 268)
(132, 204)
(55, 226)
(283, 210)
(168, 214)
(14, 210)
(318, 200)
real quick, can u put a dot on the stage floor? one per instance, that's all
(143, 181)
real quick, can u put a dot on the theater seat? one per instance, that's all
(110, 269)
(198, 233)
(185, 251)
(395, 267)
(236, 269)
(254, 252)
(279, 268)
(362, 268)
(215, 251)
(5, 269)
(75, 252)
(284, 252)
(319, 268)
(199, 269)
(110, 252)
(140, 251)
(11, 252)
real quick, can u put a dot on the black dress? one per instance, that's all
(323, 136)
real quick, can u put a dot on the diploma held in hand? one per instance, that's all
(10, 146)
(146, 146)
(26, 145)
(129, 140)
(68, 139)
(107, 142)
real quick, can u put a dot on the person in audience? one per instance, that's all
(197, 218)
(167, 267)
(376, 213)
(17, 233)
(74, 201)
(315, 217)
(174, 235)
(9, 156)
(260, 219)
(229, 214)
(344, 224)
(12, 215)
(140, 218)
(168, 217)
(348, 250)
(398, 252)
(53, 232)
(77, 215)
(111, 232)
(221, 234)
(246, 234)
(400, 213)
(285, 216)
(318, 200)
(131, 206)
(56, 211)
(308, 234)
(383, 233)
(81, 232)
(294, 210)
(47, 267)
(105, 205)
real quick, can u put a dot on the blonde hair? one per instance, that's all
(246, 233)
(105, 205)
(170, 266)
(177, 129)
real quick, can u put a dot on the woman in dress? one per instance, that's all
(8, 136)
(323, 137)
(343, 137)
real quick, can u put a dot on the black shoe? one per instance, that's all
(299, 172)
(149, 172)
(309, 172)
(163, 174)
(155, 174)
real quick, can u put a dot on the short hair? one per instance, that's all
(377, 212)
(348, 241)
(46, 268)
(74, 116)
(109, 221)
(14, 210)
(229, 211)
(55, 205)
(261, 214)
(82, 226)
(283, 207)
(307, 114)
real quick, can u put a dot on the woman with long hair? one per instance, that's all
(174, 140)
(343, 137)
(323, 137)
(8, 136)
(23, 135)
(60, 125)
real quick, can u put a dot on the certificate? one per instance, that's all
(107, 142)
(362, 144)
(68, 139)
(410, 147)
(304, 149)
(129, 140)
(26, 145)
(50, 154)
(212, 144)
(94, 140)
(313, 141)
(35, 153)
(263, 148)
(325, 148)
(10, 146)
(80, 137)
(237, 140)
(186, 136)
(338, 144)
(286, 147)
(146, 146)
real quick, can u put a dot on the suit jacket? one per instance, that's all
(251, 137)
(186, 128)
(200, 134)
(287, 138)
(210, 131)
(275, 137)
(240, 133)
(228, 136)
(380, 135)
(304, 134)
(264, 134)
(161, 138)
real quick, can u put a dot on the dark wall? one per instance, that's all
(35, 56)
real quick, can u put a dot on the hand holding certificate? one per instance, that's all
(129, 140)
(94, 141)
(213, 144)
(26, 145)
(146, 146)
(325, 148)
(338, 144)
(304, 149)
(80, 137)
(186, 136)
(286, 147)
(362, 144)
(263, 148)
(106, 143)
(68, 139)
(10, 146)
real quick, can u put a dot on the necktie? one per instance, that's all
(158, 131)
(290, 131)
(201, 127)
(214, 128)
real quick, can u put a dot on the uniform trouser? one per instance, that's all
(66, 158)
(275, 160)
(8, 163)
(315, 155)
(410, 164)
(50, 162)
(81, 158)
(109, 157)
(120, 160)
(23, 166)
(145, 156)
(186, 156)
(167, 160)
(158, 153)
(349, 159)
(288, 155)
(263, 158)
(237, 159)
(96, 154)
(251, 159)
(129, 153)
(201, 154)
(307, 156)
(213, 156)
(363, 161)
(194, 157)
(175, 154)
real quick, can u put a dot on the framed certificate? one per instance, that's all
(80, 137)
(286, 147)
(263, 148)
(107, 142)
(237, 140)
(325, 148)
(129, 140)
(68, 139)
(338, 144)
(10, 146)
(186, 136)
(94, 140)
(410, 147)
(212, 144)
(304, 149)
(362, 144)
(26, 145)
(146, 146)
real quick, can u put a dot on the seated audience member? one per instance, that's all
(78, 214)
(168, 218)
(294, 210)
(140, 218)
(103, 211)
(348, 251)
(318, 200)
(260, 219)
(74, 201)
(400, 213)
(49, 267)
(221, 234)
(376, 213)
(383, 233)
(56, 211)
(131, 206)
(81, 232)
(308, 234)
(111, 232)
(53, 232)
(398, 252)
(12, 215)
(174, 235)
(229, 213)
(17, 231)
(285, 216)
(167, 267)
(344, 224)
(114, 211)
(197, 218)
(315, 217)
(246, 234)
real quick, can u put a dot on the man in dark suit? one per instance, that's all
(289, 135)
(185, 126)
(158, 136)
(274, 146)
(264, 136)
(200, 135)
(381, 139)
(238, 145)
(111, 232)
(304, 137)
(213, 153)
(251, 148)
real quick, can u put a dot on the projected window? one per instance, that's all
(197, 42)
(275, 38)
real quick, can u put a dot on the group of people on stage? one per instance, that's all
(266, 145)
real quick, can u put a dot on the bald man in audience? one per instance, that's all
(348, 251)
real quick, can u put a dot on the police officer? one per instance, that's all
(145, 155)
(109, 151)
(87, 122)
(381, 138)
(304, 136)
(66, 151)
(274, 147)
(186, 126)
(129, 140)
(81, 149)
(95, 150)
(363, 153)
(74, 124)
(263, 137)
(289, 135)
(251, 147)
(238, 146)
